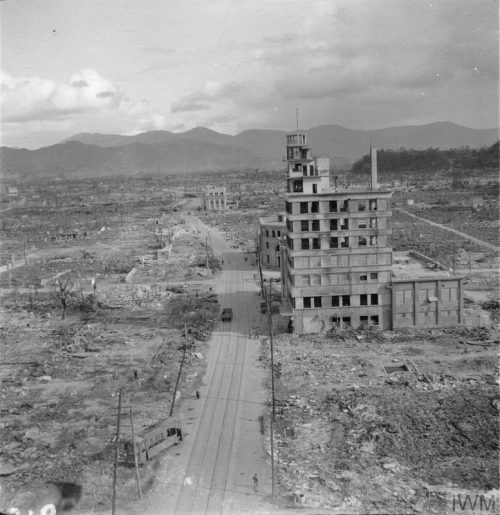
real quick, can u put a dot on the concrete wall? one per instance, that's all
(427, 302)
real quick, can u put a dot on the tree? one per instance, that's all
(64, 289)
(160, 235)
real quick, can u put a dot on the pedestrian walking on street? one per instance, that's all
(197, 394)
(255, 482)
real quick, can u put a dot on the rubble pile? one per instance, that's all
(443, 246)
(371, 421)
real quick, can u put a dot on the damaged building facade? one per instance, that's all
(215, 199)
(272, 229)
(336, 256)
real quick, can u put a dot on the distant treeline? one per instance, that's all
(431, 160)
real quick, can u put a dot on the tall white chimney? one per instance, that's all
(373, 153)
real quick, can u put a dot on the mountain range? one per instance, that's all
(202, 149)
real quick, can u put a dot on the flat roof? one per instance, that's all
(408, 268)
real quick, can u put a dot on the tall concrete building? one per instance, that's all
(337, 259)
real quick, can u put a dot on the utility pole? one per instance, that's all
(117, 450)
(180, 371)
(262, 291)
(206, 249)
(270, 324)
(273, 416)
(136, 463)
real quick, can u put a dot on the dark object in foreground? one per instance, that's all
(227, 315)
(62, 496)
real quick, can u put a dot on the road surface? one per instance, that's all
(446, 228)
(211, 472)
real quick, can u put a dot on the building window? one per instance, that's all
(333, 206)
(267, 234)
(315, 243)
(307, 302)
(374, 299)
(335, 321)
(346, 321)
(279, 234)
(288, 207)
(335, 301)
(311, 170)
(315, 188)
(344, 224)
(363, 300)
(346, 300)
(267, 244)
(306, 280)
(315, 225)
(344, 205)
(314, 207)
(333, 224)
(304, 170)
(362, 223)
(303, 207)
(274, 234)
(373, 240)
(363, 278)
(373, 204)
(373, 223)
(374, 319)
(304, 243)
(374, 275)
(267, 257)
(361, 241)
(362, 205)
(289, 242)
(304, 225)
(334, 243)
(344, 242)
(363, 320)
(298, 187)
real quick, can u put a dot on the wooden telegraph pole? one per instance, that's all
(136, 463)
(180, 371)
(117, 451)
(273, 416)
(262, 291)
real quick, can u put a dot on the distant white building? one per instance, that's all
(215, 199)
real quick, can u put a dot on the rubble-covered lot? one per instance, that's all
(60, 376)
(445, 247)
(353, 436)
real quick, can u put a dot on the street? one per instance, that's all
(212, 471)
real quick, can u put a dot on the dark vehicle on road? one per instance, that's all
(227, 315)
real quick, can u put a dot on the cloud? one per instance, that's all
(34, 98)
(35, 106)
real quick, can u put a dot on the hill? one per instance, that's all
(431, 160)
(202, 149)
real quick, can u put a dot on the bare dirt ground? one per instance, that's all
(354, 436)
(60, 377)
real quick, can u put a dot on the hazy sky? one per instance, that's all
(128, 66)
